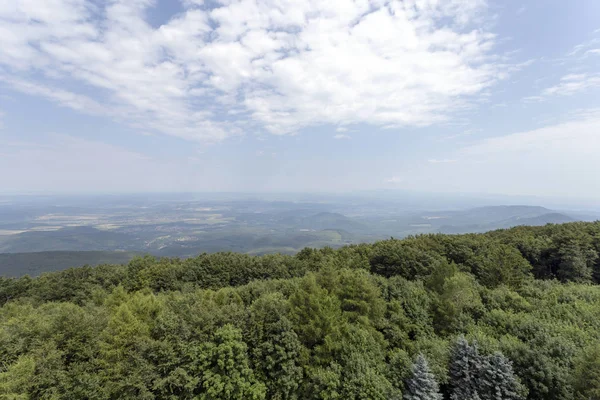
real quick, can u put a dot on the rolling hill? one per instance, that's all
(34, 264)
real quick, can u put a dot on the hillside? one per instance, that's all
(484, 219)
(81, 238)
(518, 310)
(550, 218)
(34, 264)
(181, 228)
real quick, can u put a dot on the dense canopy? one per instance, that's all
(509, 314)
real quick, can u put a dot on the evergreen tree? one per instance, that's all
(421, 385)
(465, 370)
(498, 379)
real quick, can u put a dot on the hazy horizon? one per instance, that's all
(404, 198)
(187, 224)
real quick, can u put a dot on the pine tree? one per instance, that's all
(465, 370)
(422, 384)
(499, 381)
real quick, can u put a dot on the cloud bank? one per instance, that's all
(251, 65)
(556, 159)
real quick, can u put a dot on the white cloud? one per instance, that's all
(569, 85)
(341, 129)
(340, 136)
(573, 83)
(579, 136)
(62, 97)
(274, 65)
(585, 47)
(584, 73)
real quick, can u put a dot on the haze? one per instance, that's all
(260, 95)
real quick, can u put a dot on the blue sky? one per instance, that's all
(467, 96)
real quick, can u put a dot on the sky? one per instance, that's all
(460, 96)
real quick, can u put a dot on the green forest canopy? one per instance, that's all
(509, 314)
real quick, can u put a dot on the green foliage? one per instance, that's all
(275, 347)
(587, 374)
(324, 324)
(457, 304)
(37, 263)
(501, 265)
(401, 257)
(226, 373)
(16, 380)
(314, 311)
(359, 354)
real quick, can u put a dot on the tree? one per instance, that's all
(399, 367)
(276, 349)
(576, 263)
(314, 312)
(225, 371)
(404, 258)
(465, 370)
(498, 379)
(323, 382)
(15, 381)
(500, 264)
(125, 344)
(459, 300)
(421, 385)
(587, 375)
(360, 299)
(359, 352)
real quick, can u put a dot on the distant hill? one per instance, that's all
(328, 220)
(255, 228)
(71, 238)
(490, 218)
(34, 264)
(497, 214)
(550, 218)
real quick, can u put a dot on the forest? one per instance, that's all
(508, 314)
